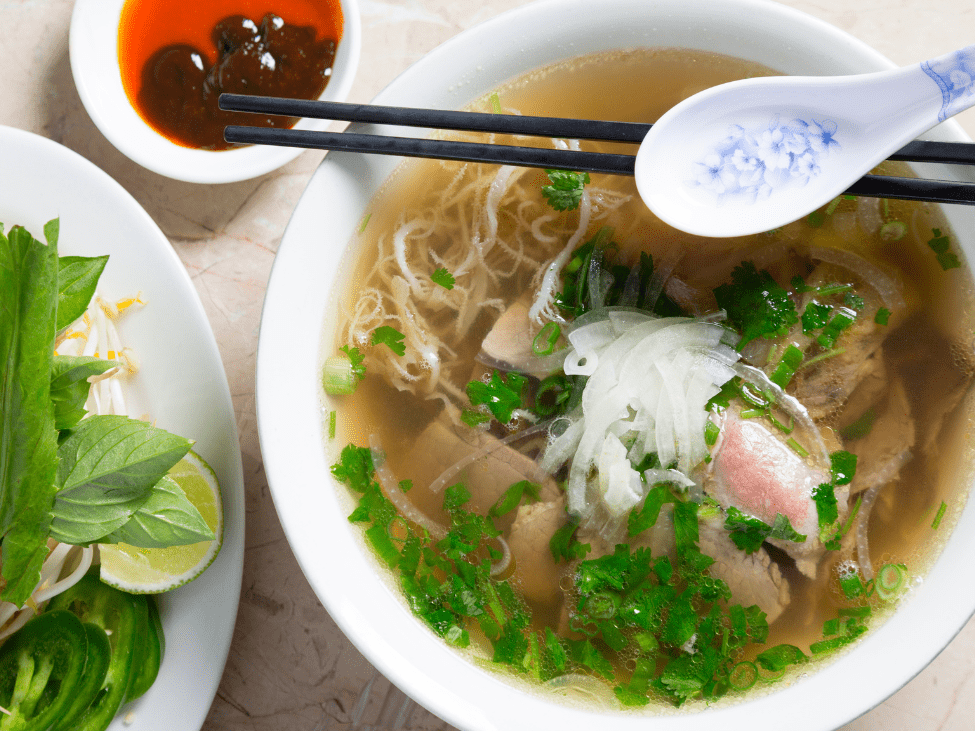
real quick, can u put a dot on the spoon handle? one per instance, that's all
(954, 73)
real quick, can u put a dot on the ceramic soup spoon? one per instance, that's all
(752, 155)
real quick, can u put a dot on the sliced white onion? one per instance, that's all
(84, 563)
(502, 565)
(884, 475)
(391, 489)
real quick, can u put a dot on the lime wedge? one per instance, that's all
(155, 570)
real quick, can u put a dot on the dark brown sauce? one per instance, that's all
(174, 81)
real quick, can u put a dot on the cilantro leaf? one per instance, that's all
(565, 192)
(748, 532)
(882, 316)
(357, 359)
(756, 304)
(502, 394)
(391, 337)
(853, 301)
(512, 497)
(826, 506)
(564, 546)
(815, 316)
(444, 278)
(843, 466)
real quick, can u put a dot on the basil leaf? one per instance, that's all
(28, 440)
(70, 387)
(167, 518)
(77, 277)
(108, 466)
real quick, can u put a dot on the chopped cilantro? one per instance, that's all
(816, 219)
(853, 301)
(391, 337)
(475, 417)
(941, 246)
(356, 358)
(778, 658)
(564, 546)
(843, 466)
(815, 316)
(799, 285)
(749, 533)
(502, 394)
(882, 316)
(512, 497)
(756, 304)
(565, 192)
(406, 485)
(442, 277)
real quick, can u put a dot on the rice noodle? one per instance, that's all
(391, 489)
(884, 475)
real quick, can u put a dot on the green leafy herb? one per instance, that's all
(815, 316)
(843, 466)
(512, 497)
(756, 304)
(882, 316)
(749, 533)
(77, 278)
(565, 192)
(941, 245)
(70, 386)
(108, 467)
(853, 301)
(502, 394)
(28, 439)
(842, 318)
(444, 278)
(475, 417)
(166, 518)
(391, 337)
(563, 545)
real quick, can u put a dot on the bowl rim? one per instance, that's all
(439, 678)
(93, 53)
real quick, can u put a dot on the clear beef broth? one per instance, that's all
(639, 86)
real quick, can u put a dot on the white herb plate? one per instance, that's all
(181, 385)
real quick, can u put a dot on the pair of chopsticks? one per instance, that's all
(878, 186)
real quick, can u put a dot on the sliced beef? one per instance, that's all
(535, 570)
(510, 339)
(442, 445)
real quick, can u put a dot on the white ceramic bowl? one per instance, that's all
(93, 48)
(297, 320)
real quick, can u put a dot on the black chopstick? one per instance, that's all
(875, 186)
(579, 129)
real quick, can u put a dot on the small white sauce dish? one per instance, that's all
(93, 48)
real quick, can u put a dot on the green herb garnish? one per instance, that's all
(749, 533)
(444, 278)
(384, 334)
(941, 245)
(565, 192)
(502, 394)
(756, 305)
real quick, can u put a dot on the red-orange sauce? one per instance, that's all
(177, 57)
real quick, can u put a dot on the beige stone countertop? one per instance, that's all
(290, 668)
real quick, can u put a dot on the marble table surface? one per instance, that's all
(290, 668)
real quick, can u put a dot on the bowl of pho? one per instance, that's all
(546, 460)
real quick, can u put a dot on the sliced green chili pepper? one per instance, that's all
(145, 675)
(96, 669)
(41, 669)
(121, 615)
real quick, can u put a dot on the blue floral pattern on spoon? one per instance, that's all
(750, 164)
(954, 74)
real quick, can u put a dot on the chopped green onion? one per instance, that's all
(711, 432)
(495, 103)
(822, 356)
(743, 676)
(406, 485)
(338, 376)
(548, 336)
(365, 222)
(882, 316)
(816, 219)
(841, 320)
(331, 424)
(553, 394)
(893, 231)
(831, 208)
(779, 425)
(940, 515)
(835, 288)
(941, 246)
(890, 580)
(786, 368)
(797, 448)
(752, 413)
(851, 585)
